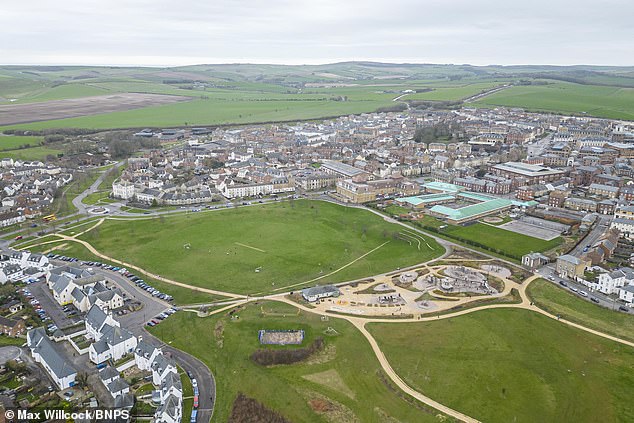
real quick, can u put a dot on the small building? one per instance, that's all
(318, 292)
(569, 266)
(534, 260)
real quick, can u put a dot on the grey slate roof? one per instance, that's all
(39, 342)
(108, 373)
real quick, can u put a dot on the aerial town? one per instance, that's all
(544, 176)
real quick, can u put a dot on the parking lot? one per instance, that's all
(39, 290)
(151, 302)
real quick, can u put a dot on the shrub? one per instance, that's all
(268, 357)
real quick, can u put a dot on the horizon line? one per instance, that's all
(326, 63)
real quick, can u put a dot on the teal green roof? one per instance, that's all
(427, 198)
(472, 210)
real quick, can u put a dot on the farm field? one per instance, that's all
(453, 93)
(58, 109)
(601, 101)
(263, 248)
(214, 111)
(513, 365)
(560, 301)
(343, 382)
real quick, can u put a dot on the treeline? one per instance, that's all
(444, 131)
(124, 147)
(249, 410)
(269, 357)
(52, 131)
(397, 107)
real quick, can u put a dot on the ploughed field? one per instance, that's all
(11, 114)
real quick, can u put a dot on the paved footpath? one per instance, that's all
(359, 323)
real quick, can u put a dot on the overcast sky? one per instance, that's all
(179, 32)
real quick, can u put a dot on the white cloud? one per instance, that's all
(162, 32)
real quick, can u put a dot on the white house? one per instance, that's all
(96, 320)
(123, 189)
(98, 294)
(161, 367)
(45, 352)
(114, 342)
(627, 294)
(609, 283)
(170, 411)
(145, 354)
(171, 386)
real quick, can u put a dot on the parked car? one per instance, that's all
(563, 283)
(583, 293)
(594, 300)
(623, 308)
(573, 289)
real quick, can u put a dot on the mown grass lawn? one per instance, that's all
(513, 366)
(494, 238)
(345, 374)
(556, 300)
(262, 248)
(182, 296)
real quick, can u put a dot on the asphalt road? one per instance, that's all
(135, 323)
(595, 233)
(204, 377)
(604, 300)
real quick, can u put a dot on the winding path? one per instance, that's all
(358, 321)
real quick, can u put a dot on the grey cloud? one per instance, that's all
(163, 32)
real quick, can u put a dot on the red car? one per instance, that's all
(196, 401)
(19, 237)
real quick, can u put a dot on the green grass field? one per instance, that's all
(182, 296)
(32, 153)
(513, 366)
(453, 93)
(560, 301)
(601, 101)
(495, 238)
(345, 376)
(214, 111)
(10, 142)
(290, 242)
(265, 93)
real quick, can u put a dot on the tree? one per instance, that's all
(82, 379)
